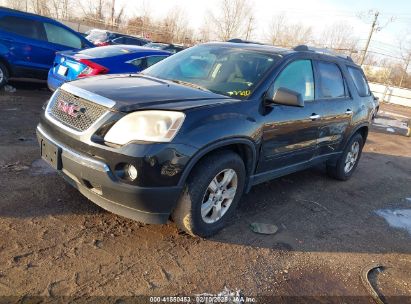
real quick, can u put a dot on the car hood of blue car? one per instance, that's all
(137, 91)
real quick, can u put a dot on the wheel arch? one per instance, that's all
(362, 129)
(244, 147)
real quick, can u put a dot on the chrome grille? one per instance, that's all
(86, 114)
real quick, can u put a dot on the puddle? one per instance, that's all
(397, 218)
(40, 167)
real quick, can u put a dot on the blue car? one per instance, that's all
(29, 42)
(113, 59)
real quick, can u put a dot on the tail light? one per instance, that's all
(92, 68)
(102, 43)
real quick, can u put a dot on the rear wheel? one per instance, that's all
(348, 161)
(211, 194)
(4, 75)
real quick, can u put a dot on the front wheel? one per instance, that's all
(211, 194)
(348, 161)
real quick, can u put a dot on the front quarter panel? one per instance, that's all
(206, 125)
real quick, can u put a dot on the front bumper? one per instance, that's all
(94, 179)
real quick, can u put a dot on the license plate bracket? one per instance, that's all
(51, 153)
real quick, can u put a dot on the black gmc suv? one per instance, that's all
(189, 135)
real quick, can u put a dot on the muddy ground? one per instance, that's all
(54, 242)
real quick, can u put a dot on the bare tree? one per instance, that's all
(93, 9)
(285, 34)
(16, 4)
(40, 7)
(232, 20)
(175, 26)
(339, 36)
(405, 53)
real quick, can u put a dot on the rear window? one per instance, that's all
(106, 51)
(359, 81)
(331, 81)
(23, 27)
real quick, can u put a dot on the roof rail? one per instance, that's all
(238, 40)
(305, 48)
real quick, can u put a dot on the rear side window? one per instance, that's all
(21, 26)
(154, 59)
(359, 81)
(298, 77)
(331, 81)
(59, 35)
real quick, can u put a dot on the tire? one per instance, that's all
(4, 75)
(198, 194)
(341, 170)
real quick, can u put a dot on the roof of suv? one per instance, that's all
(256, 46)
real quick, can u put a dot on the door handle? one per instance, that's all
(315, 116)
(348, 112)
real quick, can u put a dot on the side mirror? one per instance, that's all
(286, 97)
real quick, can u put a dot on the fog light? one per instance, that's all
(131, 171)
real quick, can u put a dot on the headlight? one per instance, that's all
(153, 126)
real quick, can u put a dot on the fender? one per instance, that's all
(355, 130)
(219, 144)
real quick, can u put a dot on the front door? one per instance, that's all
(290, 133)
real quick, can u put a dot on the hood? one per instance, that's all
(134, 92)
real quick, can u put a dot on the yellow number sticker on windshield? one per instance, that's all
(244, 93)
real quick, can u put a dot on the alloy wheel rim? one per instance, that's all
(352, 157)
(1, 76)
(219, 196)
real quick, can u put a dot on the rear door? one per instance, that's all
(335, 106)
(24, 41)
(290, 133)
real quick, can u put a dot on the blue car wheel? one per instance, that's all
(4, 75)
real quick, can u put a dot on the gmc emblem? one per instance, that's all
(70, 108)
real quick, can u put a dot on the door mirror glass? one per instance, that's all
(286, 97)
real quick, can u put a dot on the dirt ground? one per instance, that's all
(54, 242)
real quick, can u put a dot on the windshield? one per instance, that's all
(223, 70)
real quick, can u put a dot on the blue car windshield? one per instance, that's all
(223, 70)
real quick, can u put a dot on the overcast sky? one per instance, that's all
(315, 13)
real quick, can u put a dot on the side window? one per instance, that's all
(22, 26)
(171, 50)
(154, 59)
(140, 63)
(297, 76)
(59, 35)
(359, 81)
(331, 81)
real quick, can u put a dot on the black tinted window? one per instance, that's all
(331, 81)
(359, 81)
(154, 59)
(298, 77)
(23, 27)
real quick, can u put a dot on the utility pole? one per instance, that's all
(373, 29)
(249, 27)
(113, 5)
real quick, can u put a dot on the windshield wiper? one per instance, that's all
(189, 84)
